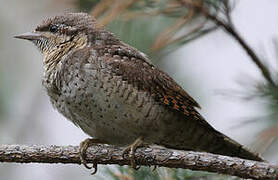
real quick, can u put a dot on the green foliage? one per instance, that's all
(140, 33)
(154, 21)
(146, 173)
(86, 5)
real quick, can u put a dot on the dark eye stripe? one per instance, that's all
(53, 28)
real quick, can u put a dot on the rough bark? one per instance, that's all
(105, 154)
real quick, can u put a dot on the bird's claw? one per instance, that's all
(84, 145)
(95, 168)
(154, 168)
(130, 150)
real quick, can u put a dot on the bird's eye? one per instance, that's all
(53, 28)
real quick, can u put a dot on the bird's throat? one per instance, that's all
(55, 55)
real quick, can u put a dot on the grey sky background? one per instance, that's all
(216, 63)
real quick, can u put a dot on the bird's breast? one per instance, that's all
(106, 107)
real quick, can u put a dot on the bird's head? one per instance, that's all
(60, 34)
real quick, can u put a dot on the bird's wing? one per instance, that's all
(134, 69)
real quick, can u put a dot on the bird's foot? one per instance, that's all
(130, 150)
(84, 145)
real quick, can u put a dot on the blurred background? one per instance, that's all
(205, 60)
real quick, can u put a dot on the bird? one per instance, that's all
(116, 95)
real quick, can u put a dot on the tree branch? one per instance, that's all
(231, 30)
(255, 58)
(106, 154)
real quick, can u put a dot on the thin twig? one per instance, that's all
(188, 38)
(157, 156)
(228, 11)
(233, 32)
(255, 58)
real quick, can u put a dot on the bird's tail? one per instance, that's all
(201, 136)
(226, 146)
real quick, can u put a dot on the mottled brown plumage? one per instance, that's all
(114, 94)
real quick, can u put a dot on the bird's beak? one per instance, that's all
(29, 36)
